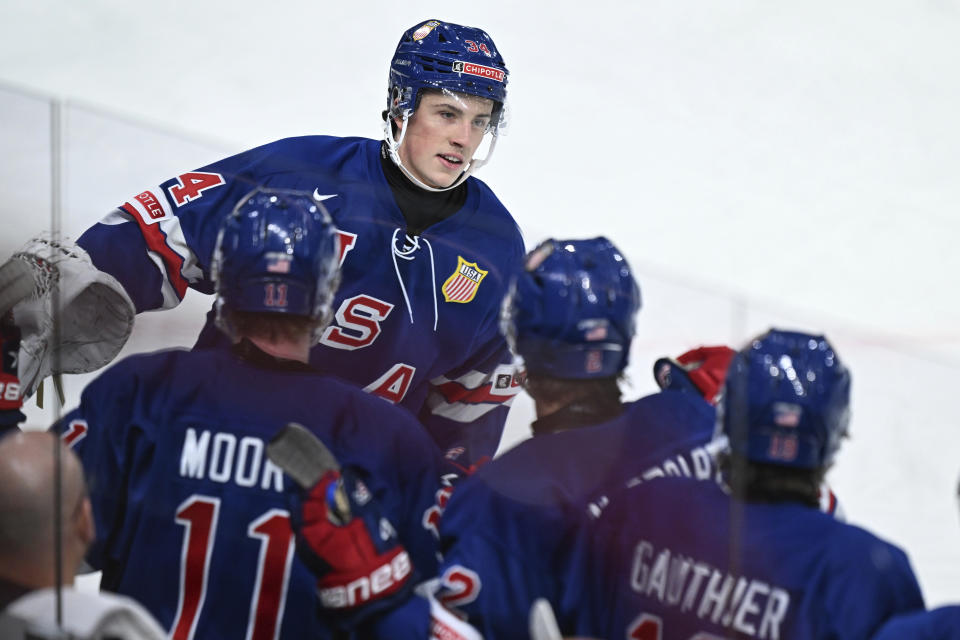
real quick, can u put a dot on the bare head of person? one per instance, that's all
(28, 510)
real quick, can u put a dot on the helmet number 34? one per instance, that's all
(474, 47)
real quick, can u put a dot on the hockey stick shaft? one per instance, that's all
(543, 624)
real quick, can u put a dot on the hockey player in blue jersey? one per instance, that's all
(682, 559)
(425, 247)
(192, 518)
(703, 370)
(570, 316)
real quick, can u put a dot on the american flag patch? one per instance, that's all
(786, 414)
(463, 283)
(278, 264)
(593, 329)
(425, 30)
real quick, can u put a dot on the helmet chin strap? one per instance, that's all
(393, 147)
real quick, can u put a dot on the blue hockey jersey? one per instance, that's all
(416, 319)
(682, 559)
(505, 530)
(192, 518)
(937, 624)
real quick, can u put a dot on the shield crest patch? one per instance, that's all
(463, 283)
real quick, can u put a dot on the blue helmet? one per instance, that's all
(442, 55)
(571, 312)
(786, 401)
(277, 252)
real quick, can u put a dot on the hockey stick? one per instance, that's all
(16, 283)
(303, 457)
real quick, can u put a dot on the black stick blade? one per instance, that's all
(301, 455)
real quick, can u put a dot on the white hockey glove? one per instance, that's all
(94, 313)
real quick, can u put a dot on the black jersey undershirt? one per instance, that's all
(248, 351)
(576, 415)
(420, 208)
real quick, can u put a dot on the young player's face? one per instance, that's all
(442, 136)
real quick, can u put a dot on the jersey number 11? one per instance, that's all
(199, 514)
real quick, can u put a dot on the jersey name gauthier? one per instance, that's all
(226, 457)
(477, 70)
(746, 605)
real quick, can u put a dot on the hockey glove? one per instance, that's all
(10, 396)
(342, 535)
(351, 547)
(701, 370)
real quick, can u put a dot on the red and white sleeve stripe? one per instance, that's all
(166, 244)
(472, 395)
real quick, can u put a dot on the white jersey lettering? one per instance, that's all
(748, 606)
(224, 457)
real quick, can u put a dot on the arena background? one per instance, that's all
(792, 164)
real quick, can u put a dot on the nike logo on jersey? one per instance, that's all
(319, 197)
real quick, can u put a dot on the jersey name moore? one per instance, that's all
(225, 457)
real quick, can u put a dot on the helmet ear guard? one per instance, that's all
(571, 312)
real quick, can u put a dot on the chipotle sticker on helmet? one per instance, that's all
(425, 30)
(478, 70)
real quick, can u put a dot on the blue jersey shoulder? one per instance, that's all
(571, 465)
(342, 159)
(167, 383)
(938, 624)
